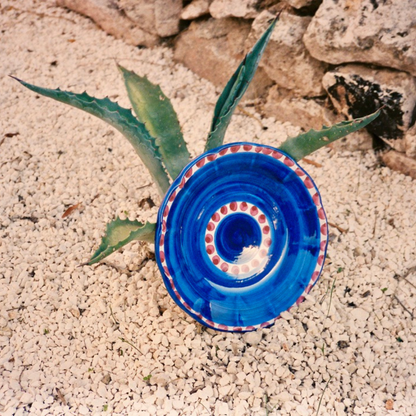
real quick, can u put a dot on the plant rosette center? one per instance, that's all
(241, 236)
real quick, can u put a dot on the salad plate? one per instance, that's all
(241, 236)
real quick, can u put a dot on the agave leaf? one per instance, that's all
(120, 118)
(300, 146)
(121, 232)
(155, 110)
(234, 90)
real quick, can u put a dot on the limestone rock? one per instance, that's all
(143, 13)
(208, 46)
(283, 106)
(410, 142)
(400, 162)
(106, 14)
(160, 17)
(246, 9)
(286, 60)
(300, 4)
(167, 16)
(213, 49)
(195, 9)
(221, 9)
(272, 5)
(356, 90)
(373, 31)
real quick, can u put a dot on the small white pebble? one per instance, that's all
(362, 372)
(82, 410)
(244, 395)
(253, 338)
(270, 358)
(302, 410)
(360, 314)
(222, 408)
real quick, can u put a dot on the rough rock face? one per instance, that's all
(300, 4)
(410, 142)
(195, 9)
(400, 162)
(356, 90)
(281, 105)
(221, 9)
(214, 48)
(246, 9)
(108, 16)
(160, 17)
(380, 32)
(286, 60)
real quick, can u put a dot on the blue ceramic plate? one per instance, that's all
(241, 236)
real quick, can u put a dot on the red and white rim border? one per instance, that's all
(191, 170)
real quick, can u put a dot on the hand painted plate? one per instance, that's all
(241, 237)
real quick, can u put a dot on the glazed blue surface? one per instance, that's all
(234, 234)
(280, 230)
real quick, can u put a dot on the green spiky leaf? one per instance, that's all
(155, 110)
(234, 90)
(121, 232)
(120, 118)
(300, 146)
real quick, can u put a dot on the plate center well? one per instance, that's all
(238, 238)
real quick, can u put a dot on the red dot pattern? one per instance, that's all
(288, 162)
(262, 251)
(188, 174)
(216, 217)
(200, 163)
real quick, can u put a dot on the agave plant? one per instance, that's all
(156, 136)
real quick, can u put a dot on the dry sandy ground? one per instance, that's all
(108, 339)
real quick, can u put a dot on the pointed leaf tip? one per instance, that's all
(121, 232)
(17, 79)
(235, 89)
(120, 118)
(300, 146)
(154, 109)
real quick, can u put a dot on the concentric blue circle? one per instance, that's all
(235, 234)
(241, 236)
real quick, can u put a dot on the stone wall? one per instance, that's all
(327, 60)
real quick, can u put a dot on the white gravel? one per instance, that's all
(108, 339)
